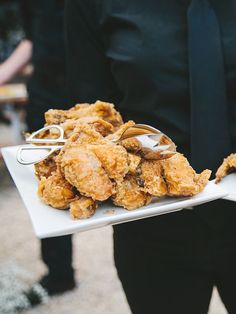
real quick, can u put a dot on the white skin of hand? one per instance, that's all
(17, 60)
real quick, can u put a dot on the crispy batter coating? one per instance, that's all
(114, 159)
(57, 116)
(83, 170)
(132, 144)
(85, 134)
(80, 165)
(121, 130)
(107, 112)
(202, 179)
(129, 194)
(56, 191)
(99, 109)
(46, 167)
(152, 178)
(228, 165)
(133, 161)
(180, 177)
(82, 208)
(103, 127)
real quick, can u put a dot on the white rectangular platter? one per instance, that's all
(49, 222)
(228, 183)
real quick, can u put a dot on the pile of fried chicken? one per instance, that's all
(92, 167)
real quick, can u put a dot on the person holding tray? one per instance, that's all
(44, 45)
(170, 64)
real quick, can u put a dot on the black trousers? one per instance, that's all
(57, 255)
(169, 264)
(56, 252)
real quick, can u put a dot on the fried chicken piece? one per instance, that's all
(133, 161)
(56, 191)
(132, 144)
(180, 177)
(101, 126)
(111, 159)
(202, 179)
(46, 167)
(99, 109)
(82, 208)
(57, 116)
(121, 130)
(83, 170)
(129, 194)
(79, 106)
(228, 165)
(151, 176)
(114, 159)
(105, 111)
(85, 134)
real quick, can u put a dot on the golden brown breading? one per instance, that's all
(99, 109)
(129, 194)
(152, 178)
(132, 144)
(83, 170)
(202, 179)
(107, 112)
(114, 159)
(82, 208)
(122, 128)
(228, 165)
(180, 177)
(133, 161)
(81, 167)
(85, 134)
(46, 167)
(103, 127)
(56, 191)
(55, 116)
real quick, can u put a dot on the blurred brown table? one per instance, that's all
(13, 93)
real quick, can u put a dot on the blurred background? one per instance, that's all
(99, 290)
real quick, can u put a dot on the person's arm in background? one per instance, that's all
(23, 52)
(16, 61)
(88, 71)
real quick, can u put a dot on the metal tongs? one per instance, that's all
(148, 136)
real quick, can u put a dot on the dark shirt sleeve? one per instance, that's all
(27, 18)
(89, 75)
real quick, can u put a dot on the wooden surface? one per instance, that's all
(13, 93)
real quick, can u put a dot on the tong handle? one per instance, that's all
(21, 149)
(60, 139)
